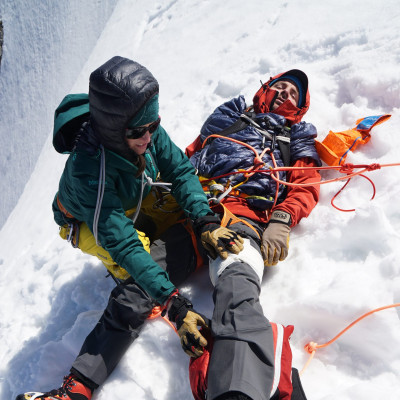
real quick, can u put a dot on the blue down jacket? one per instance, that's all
(220, 155)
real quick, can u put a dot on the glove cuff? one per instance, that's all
(201, 222)
(177, 308)
(171, 296)
(281, 217)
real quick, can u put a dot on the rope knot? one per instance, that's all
(258, 161)
(347, 168)
(156, 312)
(149, 180)
(373, 167)
(311, 347)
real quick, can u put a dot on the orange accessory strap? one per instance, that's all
(229, 219)
(63, 209)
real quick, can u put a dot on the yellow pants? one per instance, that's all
(87, 244)
(160, 207)
(161, 211)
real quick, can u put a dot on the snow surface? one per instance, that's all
(340, 265)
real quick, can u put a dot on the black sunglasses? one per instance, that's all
(136, 133)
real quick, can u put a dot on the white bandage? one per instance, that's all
(249, 255)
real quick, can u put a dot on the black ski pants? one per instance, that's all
(129, 306)
(242, 359)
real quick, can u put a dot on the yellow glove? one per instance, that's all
(275, 240)
(180, 311)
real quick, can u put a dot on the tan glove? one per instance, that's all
(180, 311)
(218, 240)
(275, 240)
(192, 341)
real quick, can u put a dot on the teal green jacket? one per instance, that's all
(116, 233)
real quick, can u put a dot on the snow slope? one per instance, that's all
(340, 265)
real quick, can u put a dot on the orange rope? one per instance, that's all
(340, 178)
(347, 169)
(157, 311)
(311, 347)
(276, 179)
(337, 194)
(257, 158)
(258, 163)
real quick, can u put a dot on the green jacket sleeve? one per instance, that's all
(119, 237)
(116, 232)
(176, 168)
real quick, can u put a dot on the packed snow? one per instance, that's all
(341, 264)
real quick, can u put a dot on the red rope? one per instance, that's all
(348, 180)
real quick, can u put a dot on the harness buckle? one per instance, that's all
(217, 200)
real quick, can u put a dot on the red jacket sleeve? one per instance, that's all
(301, 200)
(193, 147)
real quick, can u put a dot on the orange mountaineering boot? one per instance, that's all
(71, 389)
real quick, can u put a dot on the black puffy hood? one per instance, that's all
(117, 91)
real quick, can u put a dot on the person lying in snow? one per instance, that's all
(237, 138)
(126, 143)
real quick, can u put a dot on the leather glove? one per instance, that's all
(275, 240)
(216, 239)
(180, 311)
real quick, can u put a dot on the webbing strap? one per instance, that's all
(229, 219)
(284, 148)
(63, 209)
(238, 125)
(189, 229)
(247, 118)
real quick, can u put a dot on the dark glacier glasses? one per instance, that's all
(136, 133)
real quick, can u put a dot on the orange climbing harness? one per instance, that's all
(229, 219)
(311, 347)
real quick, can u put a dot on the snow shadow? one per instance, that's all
(43, 360)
